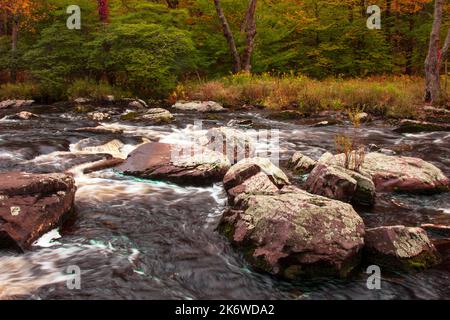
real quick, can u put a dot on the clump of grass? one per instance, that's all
(385, 96)
(87, 88)
(24, 91)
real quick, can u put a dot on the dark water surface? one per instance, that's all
(136, 239)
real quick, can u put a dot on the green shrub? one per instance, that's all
(90, 89)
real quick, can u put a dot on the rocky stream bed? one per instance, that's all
(97, 187)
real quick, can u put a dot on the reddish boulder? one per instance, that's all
(400, 247)
(392, 173)
(292, 233)
(163, 161)
(341, 184)
(31, 205)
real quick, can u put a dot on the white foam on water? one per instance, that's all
(47, 240)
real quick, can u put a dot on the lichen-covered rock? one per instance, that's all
(338, 183)
(199, 106)
(162, 161)
(15, 103)
(395, 173)
(235, 144)
(247, 168)
(301, 164)
(98, 116)
(414, 126)
(400, 248)
(332, 182)
(31, 205)
(292, 233)
(157, 115)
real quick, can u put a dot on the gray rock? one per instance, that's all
(301, 164)
(199, 106)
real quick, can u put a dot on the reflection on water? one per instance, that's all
(140, 239)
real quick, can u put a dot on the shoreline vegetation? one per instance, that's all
(384, 96)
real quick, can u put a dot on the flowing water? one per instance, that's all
(138, 239)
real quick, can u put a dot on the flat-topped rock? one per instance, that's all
(395, 173)
(31, 205)
(162, 161)
(199, 106)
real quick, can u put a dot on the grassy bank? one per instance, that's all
(85, 88)
(386, 96)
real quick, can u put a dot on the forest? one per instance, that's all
(158, 49)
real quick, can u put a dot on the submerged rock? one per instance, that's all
(292, 233)
(199, 106)
(400, 247)
(413, 126)
(301, 164)
(287, 115)
(99, 130)
(338, 183)
(102, 165)
(24, 115)
(395, 173)
(162, 161)
(32, 205)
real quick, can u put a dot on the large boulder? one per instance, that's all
(400, 248)
(162, 161)
(254, 176)
(341, 184)
(292, 233)
(235, 144)
(395, 173)
(199, 106)
(301, 164)
(31, 205)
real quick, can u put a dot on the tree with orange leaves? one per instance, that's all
(19, 12)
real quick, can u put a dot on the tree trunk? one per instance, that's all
(14, 37)
(250, 28)
(409, 48)
(173, 4)
(432, 63)
(229, 36)
(103, 10)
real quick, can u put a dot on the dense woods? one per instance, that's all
(147, 47)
